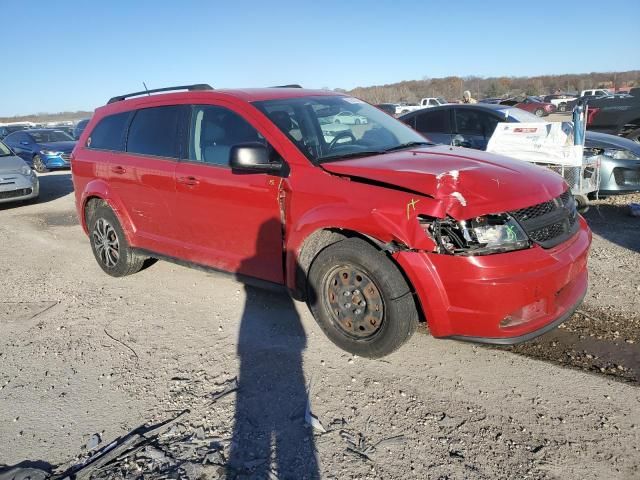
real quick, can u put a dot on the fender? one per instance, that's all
(100, 189)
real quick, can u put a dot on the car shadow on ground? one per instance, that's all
(26, 470)
(614, 223)
(52, 187)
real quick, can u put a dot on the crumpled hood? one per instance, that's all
(11, 164)
(467, 182)
(65, 147)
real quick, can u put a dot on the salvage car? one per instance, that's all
(18, 182)
(616, 115)
(471, 126)
(377, 229)
(8, 129)
(530, 104)
(44, 149)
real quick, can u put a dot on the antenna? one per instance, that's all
(146, 89)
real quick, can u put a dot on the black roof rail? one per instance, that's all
(293, 85)
(197, 86)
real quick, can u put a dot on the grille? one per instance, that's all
(549, 223)
(66, 157)
(15, 193)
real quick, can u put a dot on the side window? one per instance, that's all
(469, 122)
(155, 131)
(433, 102)
(435, 121)
(411, 121)
(108, 134)
(214, 130)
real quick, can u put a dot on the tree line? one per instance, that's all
(451, 88)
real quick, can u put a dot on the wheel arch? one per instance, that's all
(322, 238)
(98, 193)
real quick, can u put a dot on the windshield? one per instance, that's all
(331, 127)
(4, 150)
(520, 116)
(49, 136)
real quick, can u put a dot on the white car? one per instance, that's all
(349, 118)
(17, 180)
(424, 103)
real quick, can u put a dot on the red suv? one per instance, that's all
(376, 228)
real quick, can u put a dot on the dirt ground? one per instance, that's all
(86, 358)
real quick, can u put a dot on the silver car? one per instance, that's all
(17, 180)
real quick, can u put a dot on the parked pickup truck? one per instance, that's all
(617, 116)
(424, 103)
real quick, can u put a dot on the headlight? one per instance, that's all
(620, 154)
(26, 171)
(478, 236)
(49, 152)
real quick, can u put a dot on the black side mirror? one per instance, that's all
(252, 157)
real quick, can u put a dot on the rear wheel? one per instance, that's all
(539, 112)
(582, 203)
(562, 107)
(360, 299)
(109, 244)
(38, 165)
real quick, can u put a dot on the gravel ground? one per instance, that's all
(86, 358)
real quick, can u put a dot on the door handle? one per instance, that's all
(119, 170)
(189, 181)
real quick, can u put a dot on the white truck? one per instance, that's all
(424, 103)
(596, 92)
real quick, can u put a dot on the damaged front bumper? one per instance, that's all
(503, 298)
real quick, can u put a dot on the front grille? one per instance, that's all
(66, 157)
(549, 223)
(15, 193)
(627, 176)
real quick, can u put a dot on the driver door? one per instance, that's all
(227, 220)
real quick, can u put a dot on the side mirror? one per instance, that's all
(252, 157)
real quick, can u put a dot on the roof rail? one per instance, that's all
(197, 86)
(293, 85)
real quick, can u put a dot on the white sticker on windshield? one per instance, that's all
(353, 100)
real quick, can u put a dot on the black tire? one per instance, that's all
(582, 203)
(634, 135)
(392, 302)
(539, 112)
(38, 165)
(104, 224)
(562, 107)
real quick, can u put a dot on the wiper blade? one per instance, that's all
(365, 153)
(408, 145)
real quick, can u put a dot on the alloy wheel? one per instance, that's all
(106, 243)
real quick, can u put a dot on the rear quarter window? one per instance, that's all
(155, 131)
(109, 133)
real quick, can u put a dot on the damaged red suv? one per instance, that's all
(376, 228)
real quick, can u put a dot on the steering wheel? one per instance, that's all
(339, 135)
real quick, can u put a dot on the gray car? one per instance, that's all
(471, 126)
(17, 180)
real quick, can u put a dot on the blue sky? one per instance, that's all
(73, 55)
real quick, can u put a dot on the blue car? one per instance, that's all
(43, 149)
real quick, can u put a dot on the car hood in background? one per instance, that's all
(11, 164)
(469, 182)
(65, 147)
(604, 140)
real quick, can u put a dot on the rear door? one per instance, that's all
(227, 220)
(23, 146)
(143, 175)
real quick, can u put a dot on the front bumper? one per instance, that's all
(619, 176)
(56, 161)
(20, 187)
(469, 297)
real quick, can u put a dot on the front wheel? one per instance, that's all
(38, 165)
(360, 299)
(582, 202)
(109, 244)
(539, 112)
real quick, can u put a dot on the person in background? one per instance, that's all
(466, 97)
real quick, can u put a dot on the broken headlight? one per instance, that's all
(478, 236)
